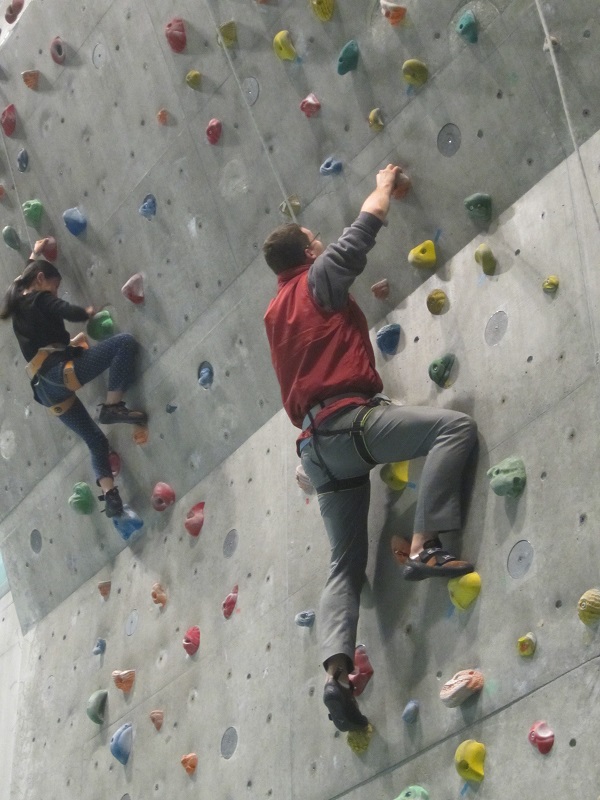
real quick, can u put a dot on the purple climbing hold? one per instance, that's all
(331, 166)
(305, 619)
(388, 338)
(170, 408)
(148, 207)
(128, 523)
(22, 160)
(75, 221)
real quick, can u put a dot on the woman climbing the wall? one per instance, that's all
(58, 365)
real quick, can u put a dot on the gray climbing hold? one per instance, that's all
(100, 647)
(305, 619)
(206, 375)
(411, 712)
(96, 706)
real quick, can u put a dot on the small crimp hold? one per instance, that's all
(479, 206)
(376, 120)
(31, 78)
(436, 301)
(214, 130)
(440, 369)
(176, 36)
(124, 679)
(291, 206)
(541, 736)
(206, 375)
(104, 588)
(163, 496)
(331, 166)
(387, 338)
(57, 50)
(11, 237)
(190, 763)
(82, 499)
(310, 105)
(526, 645)
(148, 207)
(423, 255)
(393, 12)
(348, 57)
(8, 119)
(487, 260)
(323, 9)
(194, 79)
(195, 519)
(159, 595)
(191, 640)
(363, 671)
(157, 718)
(75, 221)
(133, 289)
(415, 72)
(283, 47)
(99, 647)
(162, 116)
(381, 289)
(410, 714)
(227, 35)
(550, 285)
(305, 619)
(230, 601)
(22, 160)
(467, 27)
(33, 211)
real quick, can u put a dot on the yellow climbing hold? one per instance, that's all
(469, 760)
(227, 34)
(526, 645)
(589, 607)
(375, 120)
(193, 79)
(485, 257)
(395, 475)
(423, 255)
(464, 590)
(415, 72)
(323, 9)
(284, 49)
(550, 285)
(358, 741)
(436, 300)
(292, 204)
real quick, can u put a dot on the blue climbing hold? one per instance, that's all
(75, 221)
(120, 743)
(170, 408)
(305, 619)
(348, 57)
(467, 27)
(128, 523)
(411, 712)
(22, 160)
(206, 375)
(148, 207)
(331, 166)
(388, 338)
(100, 647)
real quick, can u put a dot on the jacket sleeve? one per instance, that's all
(335, 270)
(55, 307)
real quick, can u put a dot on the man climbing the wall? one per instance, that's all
(325, 364)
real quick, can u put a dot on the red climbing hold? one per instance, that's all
(48, 248)
(114, 461)
(229, 602)
(134, 289)
(362, 670)
(8, 119)
(13, 11)
(57, 50)
(162, 116)
(163, 496)
(310, 105)
(195, 519)
(175, 33)
(214, 130)
(191, 640)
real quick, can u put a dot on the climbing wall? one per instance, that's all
(503, 116)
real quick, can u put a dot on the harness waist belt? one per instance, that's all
(312, 413)
(42, 354)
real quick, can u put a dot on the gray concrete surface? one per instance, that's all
(93, 141)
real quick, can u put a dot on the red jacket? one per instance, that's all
(318, 353)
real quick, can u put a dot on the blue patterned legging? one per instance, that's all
(115, 354)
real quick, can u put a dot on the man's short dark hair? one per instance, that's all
(284, 247)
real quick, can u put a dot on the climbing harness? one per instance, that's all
(70, 380)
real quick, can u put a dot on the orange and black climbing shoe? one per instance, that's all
(118, 412)
(114, 504)
(435, 562)
(343, 708)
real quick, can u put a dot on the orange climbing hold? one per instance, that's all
(159, 596)
(190, 762)
(381, 289)
(140, 434)
(31, 78)
(157, 718)
(162, 117)
(393, 12)
(230, 602)
(124, 679)
(8, 119)
(400, 549)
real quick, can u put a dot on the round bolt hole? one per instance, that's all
(586, 112)
(311, 691)
(582, 519)
(543, 475)
(572, 742)
(438, 674)
(480, 134)
(35, 540)
(587, 33)
(529, 359)
(416, 339)
(558, 604)
(499, 94)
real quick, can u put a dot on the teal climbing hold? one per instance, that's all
(348, 57)
(479, 206)
(11, 237)
(100, 326)
(467, 27)
(32, 211)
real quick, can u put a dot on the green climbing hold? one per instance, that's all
(96, 706)
(508, 478)
(487, 260)
(479, 206)
(101, 326)
(32, 211)
(11, 237)
(414, 793)
(82, 499)
(439, 370)
(348, 57)
(467, 27)
(415, 72)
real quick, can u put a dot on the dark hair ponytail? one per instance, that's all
(25, 279)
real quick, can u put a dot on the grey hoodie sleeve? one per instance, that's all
(335, 270)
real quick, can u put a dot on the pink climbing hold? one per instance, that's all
(381, 289)
(310, 105)
(175, 33)
(541, 736)
(163, 496)
(191, 640)
(134, 289)
(13, 11)
(57, 50)
(195, 519)
(114, 461)
(363, 670)
(8, 119)
(214, 130)
(229, 602)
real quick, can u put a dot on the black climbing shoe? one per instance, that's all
(114, 504)
(433, 561)
(343, 708)
(120, 413)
